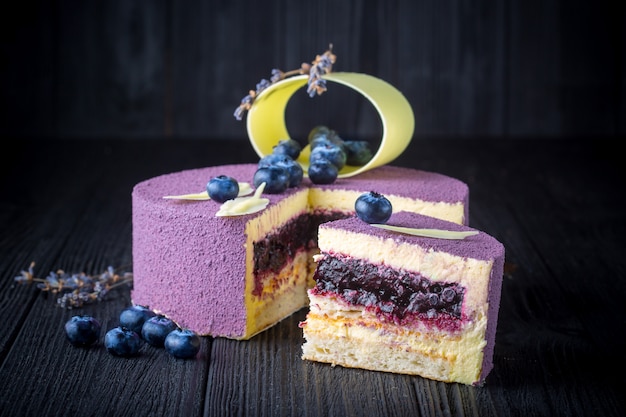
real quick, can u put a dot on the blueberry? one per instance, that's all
(448, 295)
(322, 171)
(331, 152)
(373, 207)
(270, 159)
(182, 343)
(133, 317)
(319, 131)
(156, 329)
(222, 188)
(294, 169)
(82, 330)
(321, 141)
(121, 341)
(288, 147)
(322, 133)
(296, 173)
(276, 179)
(358, 152)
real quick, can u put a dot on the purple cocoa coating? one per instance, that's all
(177, 273)
(187, 263)
(480, 246)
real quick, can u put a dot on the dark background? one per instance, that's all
(178, 69)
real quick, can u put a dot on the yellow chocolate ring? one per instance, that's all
(266, 118)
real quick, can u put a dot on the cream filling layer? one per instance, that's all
(344, 200)
(276, 302)
(279, 301)
(353, 337)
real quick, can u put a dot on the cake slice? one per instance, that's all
(390, 301)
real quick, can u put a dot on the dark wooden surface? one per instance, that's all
(165, 68)
(557, 205)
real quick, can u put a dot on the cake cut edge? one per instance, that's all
(363, 334)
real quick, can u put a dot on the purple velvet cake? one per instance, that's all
(235, 276)
(389, 301)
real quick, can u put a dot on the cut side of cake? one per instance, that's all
(393, 302)
(236, 276)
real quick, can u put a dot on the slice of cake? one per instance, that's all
(236, 276)
(395, 302)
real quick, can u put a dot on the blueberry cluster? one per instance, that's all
(393, 292)
(138, 324)
(355, 152)
(329, 154)
(328, 149)
(279, 170)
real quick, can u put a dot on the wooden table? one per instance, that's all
(557, 205)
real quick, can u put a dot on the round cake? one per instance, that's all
(379, 296)
(234, 276)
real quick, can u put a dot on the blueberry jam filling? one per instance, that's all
(395, 294)
(274, 252)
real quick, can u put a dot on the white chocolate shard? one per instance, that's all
(436, 233)
(244, 205)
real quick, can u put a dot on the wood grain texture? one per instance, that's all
(555, 204)
(179, 69)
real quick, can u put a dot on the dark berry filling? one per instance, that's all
(399, 296)
(277, 250)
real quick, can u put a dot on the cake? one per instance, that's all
(395, 302)
(238, 275)
(378, 298)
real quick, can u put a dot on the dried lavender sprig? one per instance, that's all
(323, 64)
(76, 290)
(316, 85)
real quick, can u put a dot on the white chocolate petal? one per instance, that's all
(195, 197)
(245, 189)
(436, 233)
(244, 205)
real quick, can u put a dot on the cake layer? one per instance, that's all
(235, 276)
(407, 189)
(355, 336)
(398, 294)
(429, 305)
(440, 260)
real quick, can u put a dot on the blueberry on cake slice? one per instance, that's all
(390, 301)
